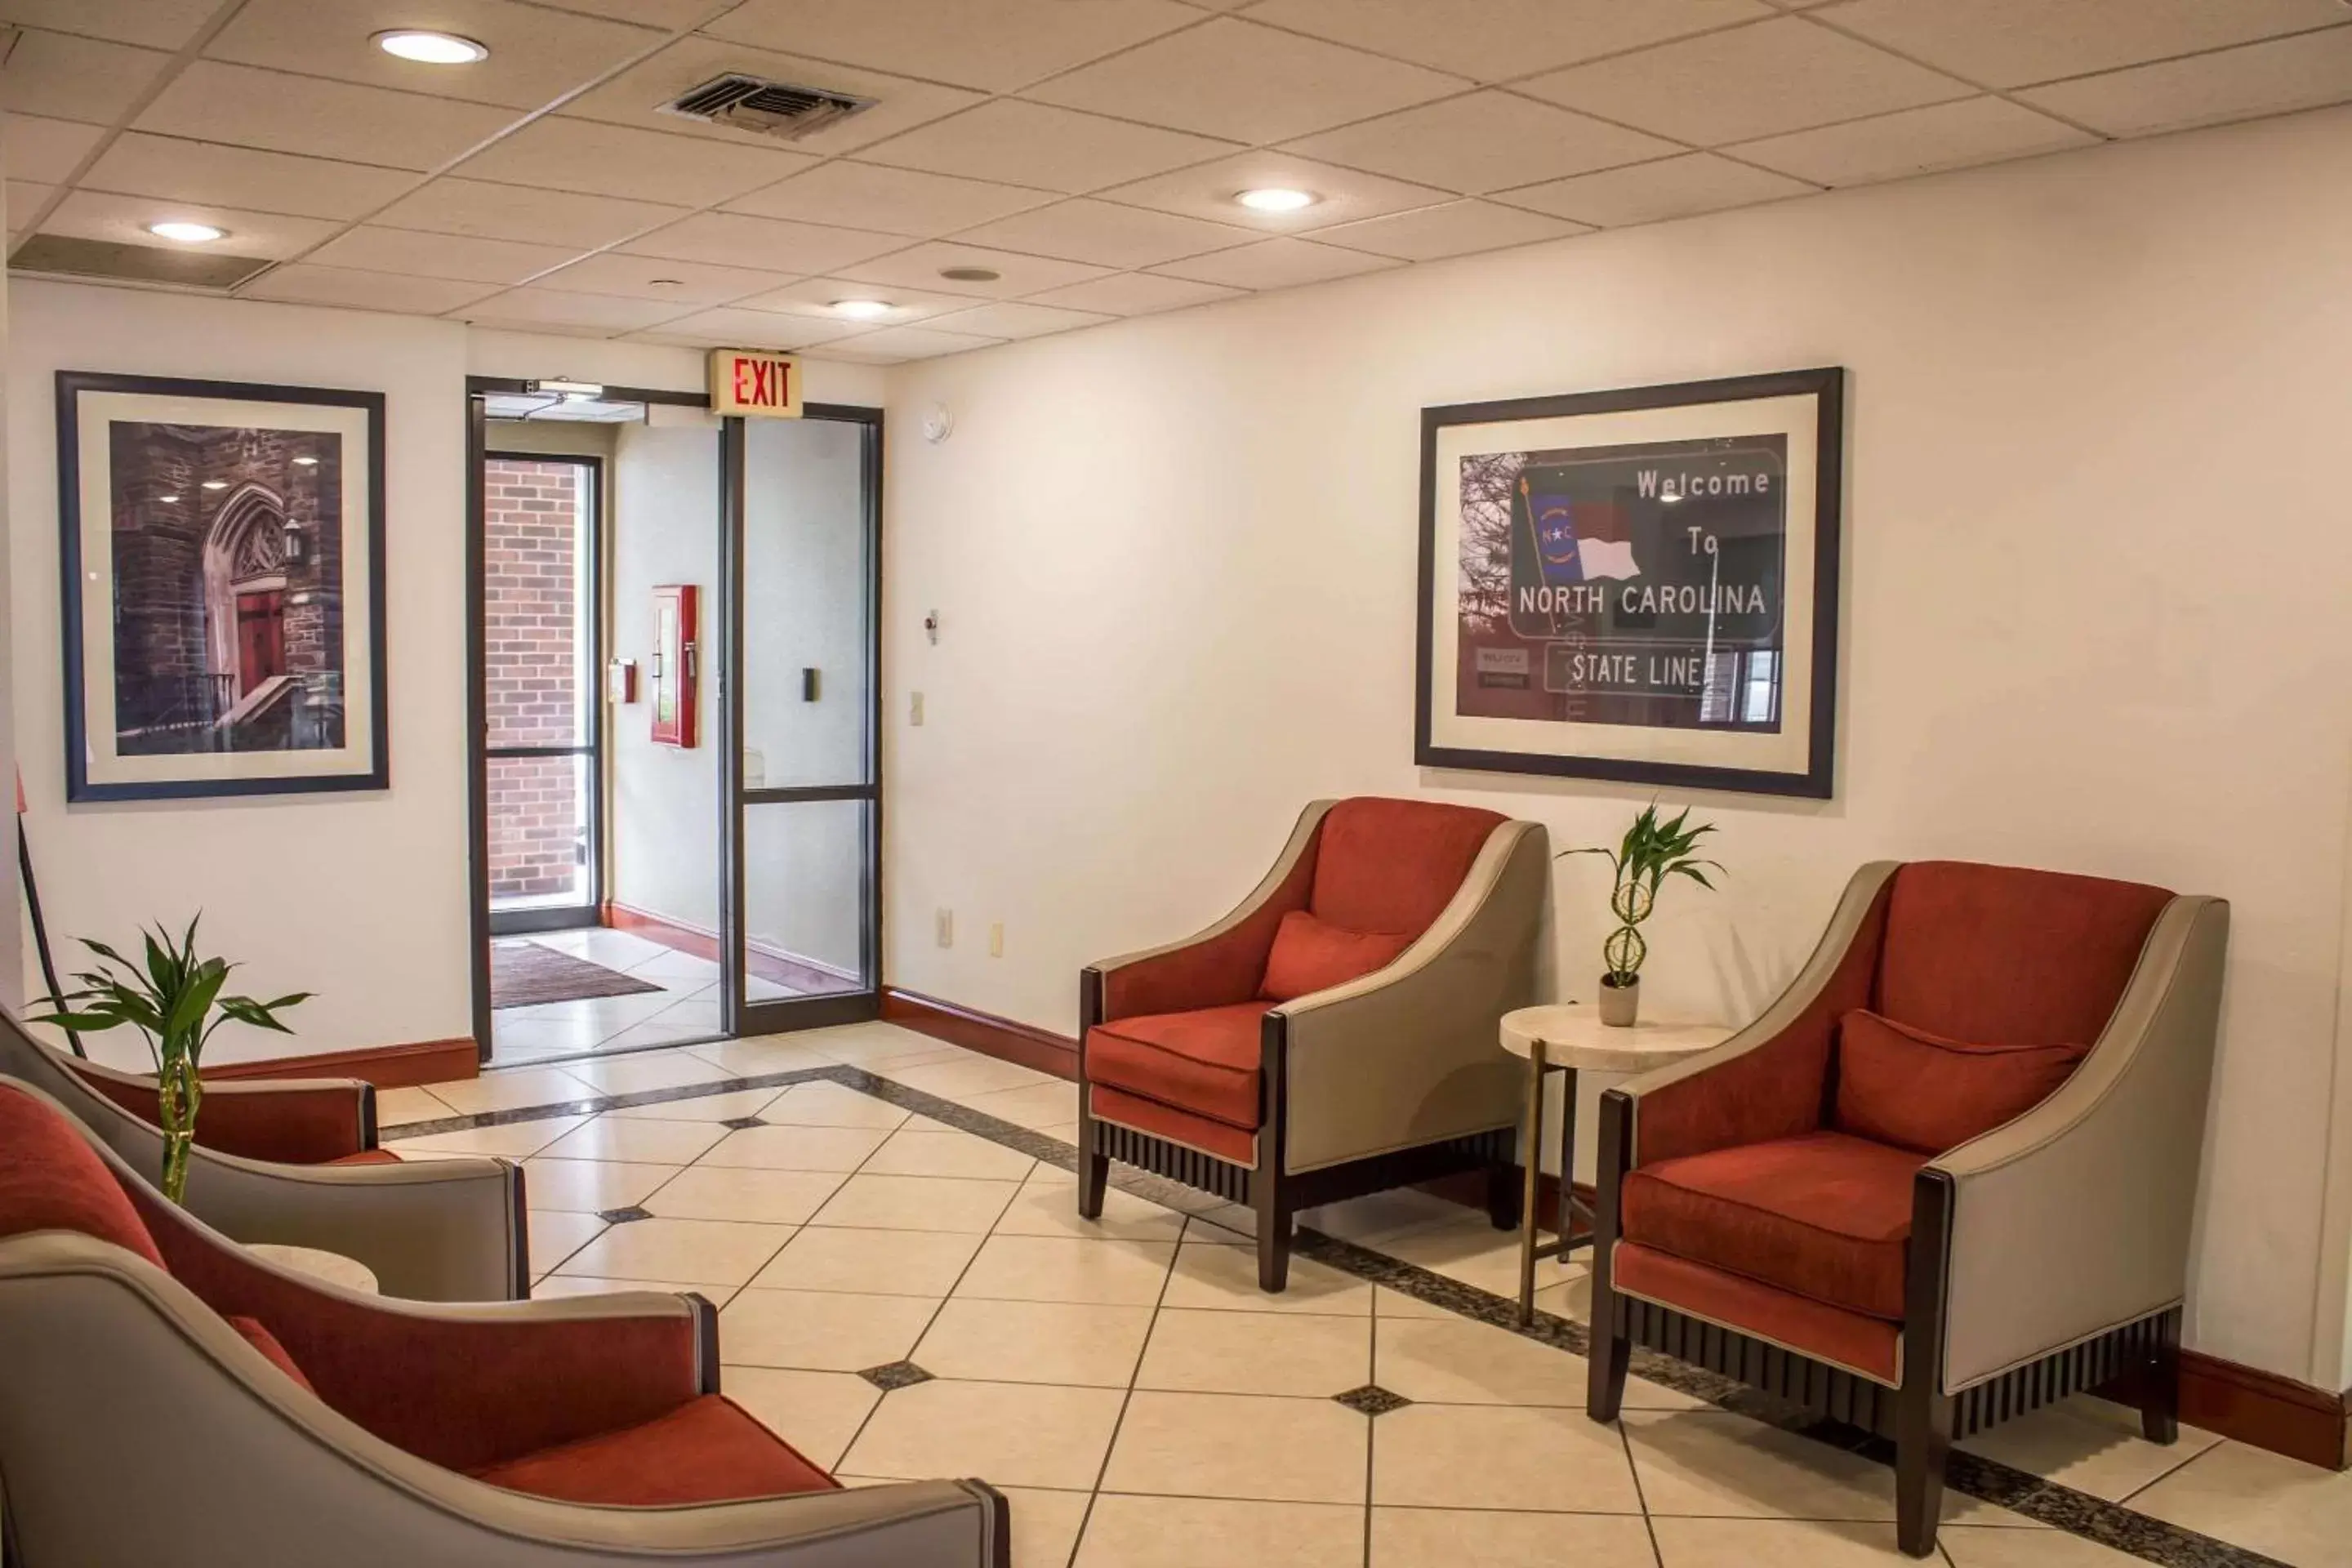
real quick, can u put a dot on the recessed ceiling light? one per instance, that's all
(186, 233)
(431, 48)
(305, 462)
(861, 309)
(215, 484)
(167, 498)
(1277, 199)
(970, 274)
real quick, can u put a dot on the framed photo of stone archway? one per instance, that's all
(222, 567)
(1639, 584)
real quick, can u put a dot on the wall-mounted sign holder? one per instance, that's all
(676, 686)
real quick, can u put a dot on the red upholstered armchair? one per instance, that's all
(1335, 1035)
(1948, 1175)
(295, 1162)
(271, 1419)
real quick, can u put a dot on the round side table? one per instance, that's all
(318, 1263)
(1566, 1036)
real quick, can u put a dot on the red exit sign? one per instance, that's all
(746, 381)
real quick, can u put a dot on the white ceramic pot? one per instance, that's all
(1620, 1004)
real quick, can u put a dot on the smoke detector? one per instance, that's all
(765, 108)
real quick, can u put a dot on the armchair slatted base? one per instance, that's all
(1276, 1201)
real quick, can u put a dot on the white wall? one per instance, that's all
(12, 925)
(663, 825)
(359, 897)
(2096, 577)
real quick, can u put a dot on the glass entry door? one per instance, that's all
(801, 734)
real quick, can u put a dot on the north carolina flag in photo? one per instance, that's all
(1554, 518)
(1603, 542)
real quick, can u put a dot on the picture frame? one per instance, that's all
(1638, 584)
(221, 560)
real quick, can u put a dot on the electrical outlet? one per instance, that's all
(945, 923)
(996, 939)
(915, 709)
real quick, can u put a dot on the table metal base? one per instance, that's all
(1567, 1240)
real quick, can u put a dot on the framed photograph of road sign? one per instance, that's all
(1639, 584)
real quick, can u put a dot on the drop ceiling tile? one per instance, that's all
(1493, 41)
(894, 345)
(532, 308)
(1343, 195)
(1782, 75)
(2271, 77)
(536, 55)
(1107, 234)
(895, 201)
(47, 150)
(1035, 144)
(139, 164)
(1277, 264)
(1458, 229)
(452, 206)
(96, 215)
(814, 297)
(668, 15)
(1648, 192)
(767, 244)
(305, 283)
(157, 24)
(685, 283)
(2008, 43)
(24, 199)
(1135, 294)
(1016, 318)
(77, 78)
(1483, 142)
(1913, 142)
(900, 104)
(920, 268)
(598, 159)
(995, 45)
(1246, 83)
(734, 328)
(212, 101)
(468, 258)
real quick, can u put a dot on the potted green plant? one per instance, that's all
(174, 1002)
(1651, 851)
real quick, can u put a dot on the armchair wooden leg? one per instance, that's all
(1923, 1441)
(1272, 1236)
(2159, 1409)
(1503, 1204)
(1608, 1357)
(1093, 1167)
(1611, 1353)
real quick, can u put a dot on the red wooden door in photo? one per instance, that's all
(677, 691)
(261, 638)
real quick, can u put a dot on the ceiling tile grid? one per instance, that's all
(1089, 156)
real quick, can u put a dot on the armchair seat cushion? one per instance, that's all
(1823, 1216)
(707, 1450)
(367, 1157)
(1205, 1061)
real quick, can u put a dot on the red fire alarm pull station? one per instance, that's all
(677, 687)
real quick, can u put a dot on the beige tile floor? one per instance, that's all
(1127, 1384)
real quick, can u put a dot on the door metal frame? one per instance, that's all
(589, 911)
(741, 1016)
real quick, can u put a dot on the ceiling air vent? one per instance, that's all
(765, 108)
(104, 258)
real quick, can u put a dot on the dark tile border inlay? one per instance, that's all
(895, 1374)
(1371, 1399)
(2020, 1491)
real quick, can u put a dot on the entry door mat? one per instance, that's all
(524, 974)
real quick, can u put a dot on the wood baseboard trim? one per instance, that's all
(1040, 1050)
(2264, 1410)
(386, 1066)
(800, 974)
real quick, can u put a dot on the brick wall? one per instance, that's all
(531, 586)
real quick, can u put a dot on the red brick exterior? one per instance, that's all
(532, 583)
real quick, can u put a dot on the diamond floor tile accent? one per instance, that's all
(1373, 1400)
(895, 1374)
(622, 1217)
(742, 1123)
